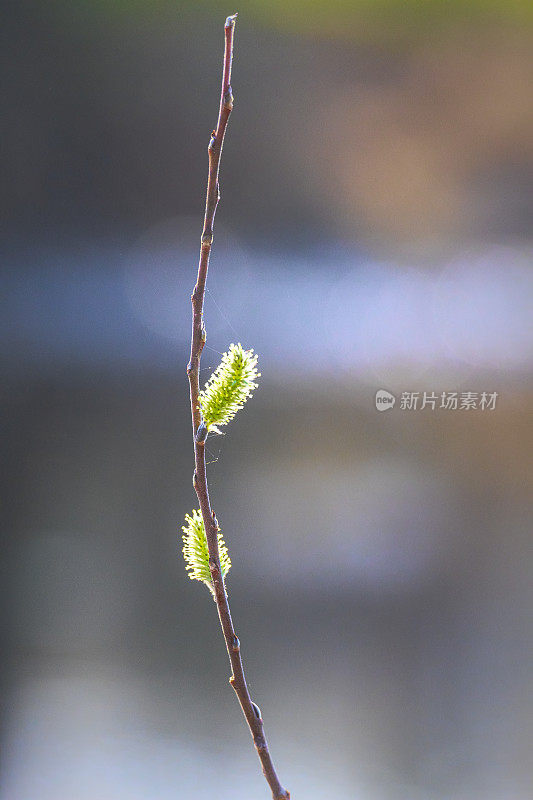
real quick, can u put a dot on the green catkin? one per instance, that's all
(196, 553)
(226, 391)
(228, 388)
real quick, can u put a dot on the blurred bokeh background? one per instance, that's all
(374, 233)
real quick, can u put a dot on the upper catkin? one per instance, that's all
(228, 388)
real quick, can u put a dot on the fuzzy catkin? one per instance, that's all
(196, 553)
(228, 388)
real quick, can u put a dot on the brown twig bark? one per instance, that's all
(198, 338)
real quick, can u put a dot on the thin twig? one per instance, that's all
(198, 338)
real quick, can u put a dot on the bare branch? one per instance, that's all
(198, 338)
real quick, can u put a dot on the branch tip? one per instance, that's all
(230, 21)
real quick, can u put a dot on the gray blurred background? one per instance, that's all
(374, 233)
